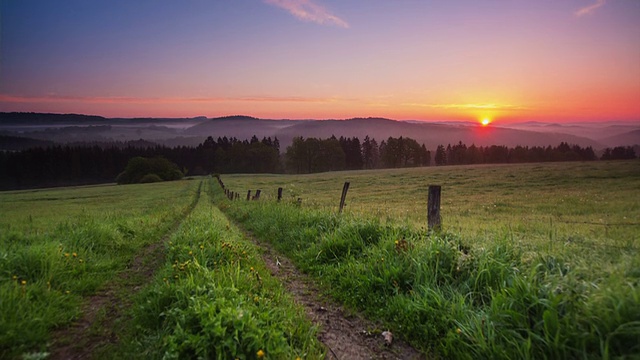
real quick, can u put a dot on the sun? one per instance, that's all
(485, 121)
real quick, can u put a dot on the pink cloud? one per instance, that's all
(589, 9)
(306, 10)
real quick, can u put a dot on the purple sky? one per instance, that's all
(514, 60)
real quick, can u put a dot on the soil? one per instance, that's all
(345, 334)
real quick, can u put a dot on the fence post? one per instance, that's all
(248, 195)
(257, 197)
(345, 188)
(279, 194)
(433, 208)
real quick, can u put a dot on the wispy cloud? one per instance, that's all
(471, 106)
(307, 10)
(151, 100)
(590, 8)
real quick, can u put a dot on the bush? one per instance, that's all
(145, 170)
(150, 178)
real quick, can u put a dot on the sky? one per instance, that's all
(516, 60)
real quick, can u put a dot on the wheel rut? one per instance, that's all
(102, 311)
(345, 334)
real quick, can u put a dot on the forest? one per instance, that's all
(92, 163)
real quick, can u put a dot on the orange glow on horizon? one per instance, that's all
(485, 121)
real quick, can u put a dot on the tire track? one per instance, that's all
(345, 334)
(105, 309)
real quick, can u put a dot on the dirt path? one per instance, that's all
(102, 311)
(346, 335)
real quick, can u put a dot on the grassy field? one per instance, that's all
(212, 298)
(586, 206)
(58, 246)
(215, 299)
(535, 261)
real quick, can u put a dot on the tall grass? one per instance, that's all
(454, 299)
(215, 299)
(58, 246)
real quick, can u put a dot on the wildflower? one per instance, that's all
(459, 331)
(298, 358)
(251, 268)
(190, 252)
(201, 247)
(15, 277)
(23, 282)
(396, 242)
(66, 254)
(80, 260)
(75, 254)
(256, 299)
(67, 292)
(260, 354)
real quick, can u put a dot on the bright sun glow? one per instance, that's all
(485, 121)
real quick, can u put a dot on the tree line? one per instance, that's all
(460, 154)
(99, 163)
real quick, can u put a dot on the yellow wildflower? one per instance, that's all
(15, 277)
(75, 254)
(260, 354)
(66, 254)
(23, 282)
(459, 331)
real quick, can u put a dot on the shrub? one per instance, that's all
(150, 178)
(149, 170)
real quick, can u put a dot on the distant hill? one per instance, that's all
(24, 118)
(73, 128)
(241, 127)
(625, 139)
(431, 134)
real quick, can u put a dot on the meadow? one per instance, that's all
(58, 246)
(534, 261)
(210, 295)
(581, 206)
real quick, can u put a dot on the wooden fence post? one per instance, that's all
(257, 197)
(433, 208)
(345, 188)
(279, 194)
(248, 195)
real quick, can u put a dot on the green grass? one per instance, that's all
(515, 274)
(59, 246)
(560, 207)
(215, 299)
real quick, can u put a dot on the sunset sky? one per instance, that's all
(518, 60)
